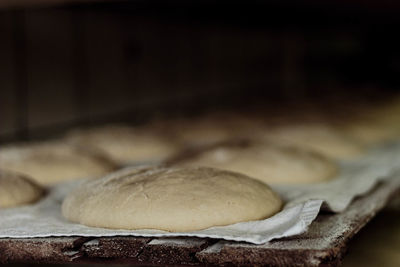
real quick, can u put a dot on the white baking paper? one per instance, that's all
(355, 178)
(303, 203)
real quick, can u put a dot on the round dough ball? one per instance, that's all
(318, 137)
(16, 190)
(202, 134)
(49, 163)
(170, 199)
(376, 124)
(388, 113)
(211, 128)
(194, 132)
(268, 163)
(125, 144)
(370, 133)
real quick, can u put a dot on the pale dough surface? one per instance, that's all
(126, 144)
(170, 199)
(194, 132)
(49, 163)
(17, 189)
(202, 134)
(268, 163)
(377, 124)
(371, 133)
(210, 128)
(318, 137)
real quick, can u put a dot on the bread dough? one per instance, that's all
(268, 163)
(17, 189)
(371, 133)
(125, 144)
(211, 128)
(318, 137)
(170, 199)
(377, 124)
(195, 132)
(202, 134)
(51, 162)
(388, 113)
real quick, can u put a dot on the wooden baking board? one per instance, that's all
(324, 244)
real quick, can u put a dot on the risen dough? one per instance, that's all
(16, 190)
(319, 137)
(370, 132)
(211, 128)
(199, 134)
(171, 199)
(376, 124)
(126, 144)
(194, 131)
(52, 162)
(267, 163)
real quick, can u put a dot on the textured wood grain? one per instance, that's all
(114, 247)
(173, 251)
(324, 244)
(43, 250)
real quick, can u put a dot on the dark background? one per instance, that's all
(89, 62)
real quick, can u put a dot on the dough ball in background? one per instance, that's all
(210, 128)
(17, 189)
(361, 121)
(271, 164)
(200, 133)
(377, 123)
(170, 199)
(388, 112)
(370, 133)
(52, 162)
(322, 138)
(125, 144)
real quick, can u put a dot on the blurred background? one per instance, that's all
(70, 63)
(66, 63)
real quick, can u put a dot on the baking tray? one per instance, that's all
(324, 244)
